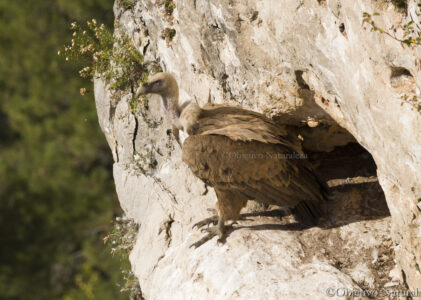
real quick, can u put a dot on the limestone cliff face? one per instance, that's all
(308, 64)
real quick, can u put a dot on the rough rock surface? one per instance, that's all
(309, 64)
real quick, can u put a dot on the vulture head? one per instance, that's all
(163, 84)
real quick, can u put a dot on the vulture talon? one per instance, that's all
(212, 220)
(203, 240)
(220, 231)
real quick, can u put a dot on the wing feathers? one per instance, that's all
(258, 170)
(242, 125)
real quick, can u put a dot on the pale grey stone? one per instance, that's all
(295, 61)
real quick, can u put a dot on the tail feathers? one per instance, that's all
(308, 213)
(324, 188)
(316, 193)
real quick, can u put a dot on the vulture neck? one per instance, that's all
(171, 106)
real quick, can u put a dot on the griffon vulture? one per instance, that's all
(243, 155)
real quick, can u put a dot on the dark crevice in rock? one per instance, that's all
(113, 106)
(165, 188)
(158, 181)
(399, 71)
(116, 152)
(146, 47)
(300, 80)
(223, 81)
(136, 127)
(342, 30)
(157, 262)
(254, 16)
(166, 227)
(409, 297)
(337, 103)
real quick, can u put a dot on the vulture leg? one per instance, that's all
(176, 133)
(229, 206)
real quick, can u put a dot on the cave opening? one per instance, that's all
(350, 173)
(347, 167)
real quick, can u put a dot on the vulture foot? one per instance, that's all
(220, 230)
(212, 220)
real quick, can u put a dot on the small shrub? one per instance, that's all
(109, 55)
(169, 7)
(411, 29)
(122, 236)
(400, 4)
(121, 240)
(168, 34)
(126, 4)
(411, 38)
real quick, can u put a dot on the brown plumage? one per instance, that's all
(243, 155)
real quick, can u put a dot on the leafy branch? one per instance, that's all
(411, 29)
(122, 239)
(110, 55)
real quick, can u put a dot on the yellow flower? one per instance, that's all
(83, 91)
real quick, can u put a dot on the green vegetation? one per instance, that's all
(57, 195)
(126, 4)
(400, 4)
(122, 239)
(411, 29)
(411, 38)
(104, 54)
(169, 7)
(168, 34)
(111, 56)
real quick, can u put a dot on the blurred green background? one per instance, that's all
(57, 196)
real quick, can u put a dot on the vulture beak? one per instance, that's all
(143, 89)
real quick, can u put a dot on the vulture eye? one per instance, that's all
(157, 83)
